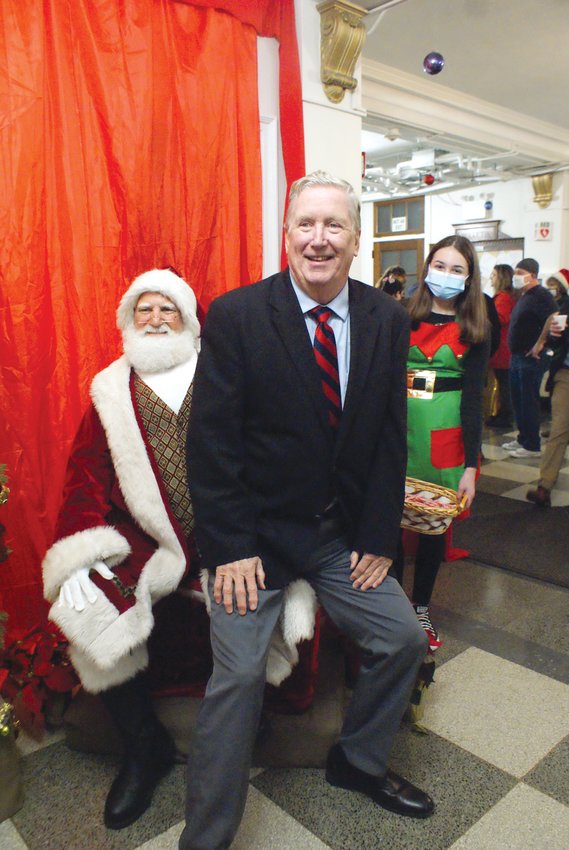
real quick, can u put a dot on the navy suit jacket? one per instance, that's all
(262, 461)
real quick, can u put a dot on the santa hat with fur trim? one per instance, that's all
(167, 283)
(562, 276)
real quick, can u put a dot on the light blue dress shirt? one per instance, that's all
(339, 323)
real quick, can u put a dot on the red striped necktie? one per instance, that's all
(327, 361)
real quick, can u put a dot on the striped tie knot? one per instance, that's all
(326, 356)
(321, 314)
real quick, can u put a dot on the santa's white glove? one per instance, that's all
(79, 587)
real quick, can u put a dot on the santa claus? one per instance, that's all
(124, 535)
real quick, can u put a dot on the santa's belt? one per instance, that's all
(423, 383)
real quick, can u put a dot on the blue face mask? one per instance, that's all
(443, 285)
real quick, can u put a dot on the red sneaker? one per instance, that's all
(422, 612)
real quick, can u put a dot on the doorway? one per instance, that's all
(408, 253)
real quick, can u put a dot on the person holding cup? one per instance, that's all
(558, 386)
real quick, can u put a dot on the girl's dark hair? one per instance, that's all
(395, 271)
(471, 312)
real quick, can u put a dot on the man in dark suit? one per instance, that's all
(296, 458)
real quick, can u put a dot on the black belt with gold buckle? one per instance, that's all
(423, 383)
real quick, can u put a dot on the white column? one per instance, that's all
(332, 132)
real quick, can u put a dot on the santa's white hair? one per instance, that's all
(167, 283)
(169, 348)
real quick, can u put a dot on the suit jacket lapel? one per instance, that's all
(365, 320)
(291, 328)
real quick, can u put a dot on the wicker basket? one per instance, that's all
(429, 508)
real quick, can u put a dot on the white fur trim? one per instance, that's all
(168, 284)
(94, 679)
(296, 623)
(281, 660)
(204, 581)
(299, 612)
(110, 647)
(111, 396)
(82, 549)
(102, 634)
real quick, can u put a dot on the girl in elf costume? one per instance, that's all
(447, 362)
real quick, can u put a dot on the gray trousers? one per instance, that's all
(380, 621)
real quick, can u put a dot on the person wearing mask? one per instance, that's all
(393, 282)
(447, 362)
(558, 285)
(504, 301)
(529, 326)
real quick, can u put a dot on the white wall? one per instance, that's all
(274, 181)
(513, 205)
(366, 244)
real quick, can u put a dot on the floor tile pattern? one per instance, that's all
(494, 755)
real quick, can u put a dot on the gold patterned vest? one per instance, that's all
(166, 433)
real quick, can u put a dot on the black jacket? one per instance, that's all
(262, 462)
(560, 346)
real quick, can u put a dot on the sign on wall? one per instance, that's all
(399, 224)
(543, 231)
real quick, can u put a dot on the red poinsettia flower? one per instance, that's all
(36, 671)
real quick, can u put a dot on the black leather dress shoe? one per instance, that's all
(390, 791)
(146, 761)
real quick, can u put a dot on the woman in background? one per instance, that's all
(447, 361)
(558, 285)
(393, 281)
(504, 300)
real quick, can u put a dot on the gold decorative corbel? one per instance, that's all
(342, 36)
(542, 189)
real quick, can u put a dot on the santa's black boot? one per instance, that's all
(149, 752)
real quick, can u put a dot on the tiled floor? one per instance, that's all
(494, 753)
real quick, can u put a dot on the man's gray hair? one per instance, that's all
(322, 178)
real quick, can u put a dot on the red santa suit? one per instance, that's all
(116, 510)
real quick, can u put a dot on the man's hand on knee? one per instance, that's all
(239, 578)
(369, 570)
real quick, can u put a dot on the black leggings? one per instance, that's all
(430, 553)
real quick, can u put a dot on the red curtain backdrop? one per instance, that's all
(129, 138)
(275, 19)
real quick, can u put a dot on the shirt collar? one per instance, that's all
(340, 304)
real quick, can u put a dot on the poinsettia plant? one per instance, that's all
(36, 675)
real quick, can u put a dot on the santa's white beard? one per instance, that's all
(155, 352)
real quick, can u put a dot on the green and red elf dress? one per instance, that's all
(444, 398)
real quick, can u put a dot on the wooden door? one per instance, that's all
(408, 253)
